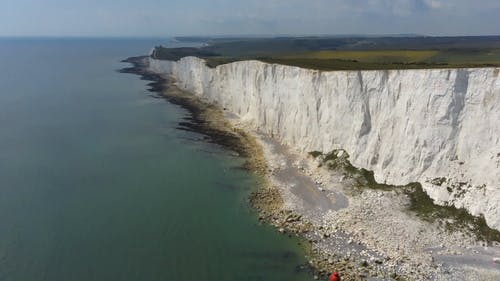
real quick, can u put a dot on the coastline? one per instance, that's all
(266, 200)
(367, 113)
(341, 237)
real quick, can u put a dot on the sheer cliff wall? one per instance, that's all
(439, 127)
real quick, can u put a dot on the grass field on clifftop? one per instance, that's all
(327, 53)
(389, 59)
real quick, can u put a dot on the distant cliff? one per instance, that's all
(439, 127)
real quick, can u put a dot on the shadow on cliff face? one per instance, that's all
(420, 203)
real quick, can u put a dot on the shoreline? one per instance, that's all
(214, 123)
(341, 238)
(205, 118)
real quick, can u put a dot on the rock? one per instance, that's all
(427, 141)
(354, 224)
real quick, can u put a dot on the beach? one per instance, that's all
(363, 234)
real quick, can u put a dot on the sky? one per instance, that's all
(154, 18)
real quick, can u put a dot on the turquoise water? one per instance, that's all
(97, 184)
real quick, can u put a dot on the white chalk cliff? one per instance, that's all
(439, 127)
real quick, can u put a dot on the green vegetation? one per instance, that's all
(377, 56)
(175, 54)
(454, 218)
(338, 160)
(382, 59)
(343, 53)
(419, 202)
(315, 154)
(280, 46)
(335, 64)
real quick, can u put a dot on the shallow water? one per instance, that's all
(97, 184)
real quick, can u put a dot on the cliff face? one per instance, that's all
(439, 127)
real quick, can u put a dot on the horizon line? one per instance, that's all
(402, 35)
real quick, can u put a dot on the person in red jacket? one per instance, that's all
(335, 276)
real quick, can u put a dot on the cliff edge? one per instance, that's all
(438, 127)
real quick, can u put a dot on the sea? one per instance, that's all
(98, 183)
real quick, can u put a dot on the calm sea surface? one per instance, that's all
(97, 184)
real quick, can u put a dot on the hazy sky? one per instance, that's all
(223, 17)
